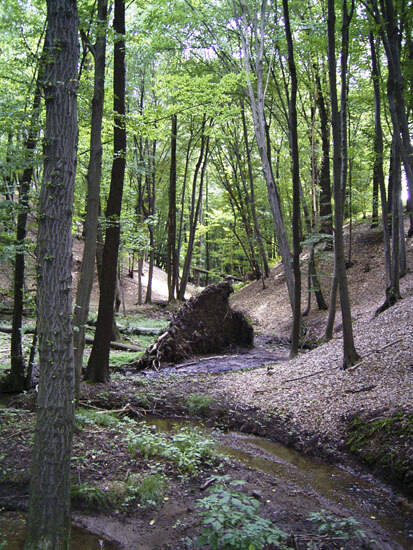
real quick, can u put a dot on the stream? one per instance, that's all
(12, 529)
(306, 478)
(363, 498)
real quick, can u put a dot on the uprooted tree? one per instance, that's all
(205, 324)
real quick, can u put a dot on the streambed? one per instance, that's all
(311, 480)
(288, 484)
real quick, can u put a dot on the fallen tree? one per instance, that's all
(88, 340)
(205, 324)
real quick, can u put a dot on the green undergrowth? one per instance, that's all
(198, 404)
(231, 520)
(384, 443)
(88, 417)
(144, 490)
(187, 449)
(119, 358)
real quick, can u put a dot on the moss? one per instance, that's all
(385, 444)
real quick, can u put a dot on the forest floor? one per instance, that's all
(360, 419)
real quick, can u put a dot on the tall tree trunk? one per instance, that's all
(385, 16)
(195, 208)
(17, 380)
(85, 282)
(296, 219)
(98, 365)
(339, 174)
(395, 220)
(378, 172)
(48, 525)
(256, 96)
(251, 196)
(326, 212)
(172, 259)
(151, 192)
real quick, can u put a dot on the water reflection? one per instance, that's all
(366, 498)
(12, 530)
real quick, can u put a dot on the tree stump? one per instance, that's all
(205, 324)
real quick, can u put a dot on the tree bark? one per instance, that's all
(338, 122)
(251, 197)
(386, 18)
(326, 212)
(172, 258)
(17, 380)
(256, 96)
(48, 525)
(195, 208)
(296, 218)
(85, 282)
(98, 365)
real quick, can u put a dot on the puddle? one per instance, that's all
(12, 527)
(366, 499)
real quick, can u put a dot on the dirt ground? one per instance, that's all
(307, 403)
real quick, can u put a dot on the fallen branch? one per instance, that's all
(308, 375)
(118, 345)
(114, 345)
(374, 351)
(202, 359)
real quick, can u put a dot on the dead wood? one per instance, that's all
(114, 345)
(205, 324)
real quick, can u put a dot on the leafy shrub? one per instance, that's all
(231, 520)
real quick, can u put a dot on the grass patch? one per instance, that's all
(90, 496)
(198, 404)
(119, 358)
(148, 490)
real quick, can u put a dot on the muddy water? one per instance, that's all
(12, 527)
(363, 498)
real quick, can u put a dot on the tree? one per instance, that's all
(339, 130)
(257, 24)
(172, 257)
(195, 204)
(48, 526)
(98, 365)
(386, 16)
(18, 380)
(293, 140)
(85, 282)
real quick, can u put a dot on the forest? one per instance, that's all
(160, 164)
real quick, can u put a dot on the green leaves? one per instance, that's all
(231, 520)
(188, 449)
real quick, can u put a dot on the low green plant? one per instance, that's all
(119, 358)
(85, 417)
(198, 404)
(148, 490)
(231, 520)
(336, 528)
(187, 448)
(143, 399)
(91, 496)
